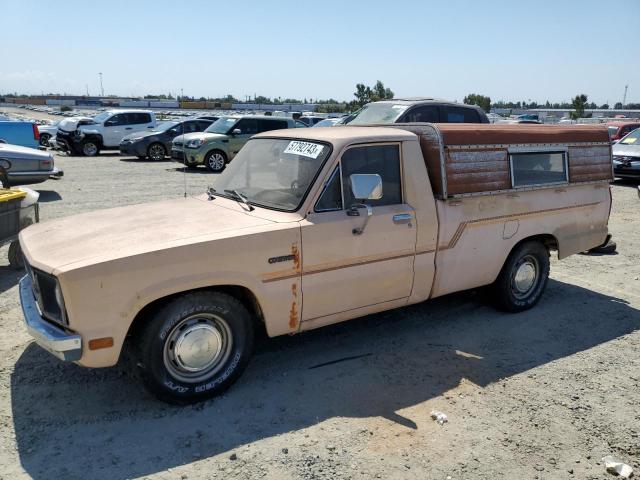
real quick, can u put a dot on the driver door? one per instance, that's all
(343, 271)
(114, 129)
(248, 127)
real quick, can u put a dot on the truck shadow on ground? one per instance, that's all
(9, 276)
(47, 196)
(70, 421)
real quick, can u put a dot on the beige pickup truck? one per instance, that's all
(309, 227)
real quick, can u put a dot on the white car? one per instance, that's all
(83, 136)
(47, 132)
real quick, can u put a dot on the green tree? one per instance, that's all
(479, 100)
(618, 106)
(604, 106)
(578, 104)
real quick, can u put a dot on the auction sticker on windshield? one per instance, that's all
(307, 149)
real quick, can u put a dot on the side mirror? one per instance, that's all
(364, 187)
(236, 131)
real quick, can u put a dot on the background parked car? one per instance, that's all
(27, 165)
(156, 144)
(410, 110)
(328, 122)
(104, 131)
(47, 132)
(24, 134)
(617, 130)
(218, 144)
(626, 156)
(310, 120)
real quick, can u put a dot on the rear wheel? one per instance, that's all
(523, 278)
(195, 347)
(44, 139)
(156, 152)
(215, 161)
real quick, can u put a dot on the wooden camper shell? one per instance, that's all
(476, 159)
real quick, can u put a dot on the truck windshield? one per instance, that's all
(273, 173)
(222, 125)
(378, 113)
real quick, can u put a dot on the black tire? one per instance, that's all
(606, 248)
(215, 318)
(44, 139)
(90, 148)
(215, 161)
(156, 152)
(523, 278)
(16, 260)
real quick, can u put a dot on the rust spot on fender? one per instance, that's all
(293, 313)
(296, 256)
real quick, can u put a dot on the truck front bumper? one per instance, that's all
(65, 346)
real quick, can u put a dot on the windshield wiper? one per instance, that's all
(240, 197)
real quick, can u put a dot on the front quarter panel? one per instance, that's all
(102, 300)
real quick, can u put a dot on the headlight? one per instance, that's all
(195, 143)
(137, 139)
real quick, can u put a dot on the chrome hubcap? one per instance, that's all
(525, 276)
(216, 161)
(197, 347)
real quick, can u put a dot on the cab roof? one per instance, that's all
(343, 135)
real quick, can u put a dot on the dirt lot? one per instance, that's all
(544, 394)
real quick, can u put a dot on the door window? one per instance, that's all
(119, 119)
(138, 118)
(191, 127)
(267, 125)
(426, 113)
(247, 126)
(331, 197)
(460, 115)
(381, 159)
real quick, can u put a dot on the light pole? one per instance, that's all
(101, 87)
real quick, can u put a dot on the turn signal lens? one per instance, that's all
(98, 343)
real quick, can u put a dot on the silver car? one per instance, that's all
(27, 165)
(626, 156)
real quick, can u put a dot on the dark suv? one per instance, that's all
(409, 110)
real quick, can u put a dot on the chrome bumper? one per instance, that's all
(65, 346)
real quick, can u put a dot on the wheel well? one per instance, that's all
(157, 143)
(546, 239)
(243, 294)
(94, 137)
(210, 152)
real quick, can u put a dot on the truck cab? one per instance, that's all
(82, 136)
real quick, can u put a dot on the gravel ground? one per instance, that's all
(544, 394)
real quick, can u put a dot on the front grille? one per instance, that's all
(44, 291)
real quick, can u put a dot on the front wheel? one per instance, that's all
(44, 139)
(156, 152)
(195, 347)
(16, 260)
(523, 278)
(215, 161)
(90, 148)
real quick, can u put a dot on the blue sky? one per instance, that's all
(512, 50)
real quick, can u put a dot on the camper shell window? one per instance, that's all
(538, 168)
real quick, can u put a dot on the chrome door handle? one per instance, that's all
(402, 218)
